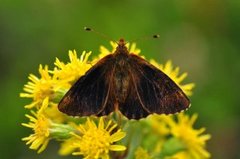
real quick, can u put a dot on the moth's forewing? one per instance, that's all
(132, 107)
(91, 93)
(109, 105)
(154, 90)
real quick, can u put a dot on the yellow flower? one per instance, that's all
(158, 124)
(182, 155)
(39, 88)
(141, 153)
(193, 139)
(40, 125)
(173, 73)
(95, 141)
(54, 114)
(161, 128)
(70, 72)
(67, 147)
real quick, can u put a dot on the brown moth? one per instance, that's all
(123, 82)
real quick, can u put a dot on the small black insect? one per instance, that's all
(123, 82)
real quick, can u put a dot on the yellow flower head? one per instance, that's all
(40, 125)
(141, 153)
(95, 141)
(39, 88)
(193, 139)
(54, 114)
(70, 72)
(173, 73)
(67, 147)
(158, 124)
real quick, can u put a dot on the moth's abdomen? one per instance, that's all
(121, 84)
(121, 79)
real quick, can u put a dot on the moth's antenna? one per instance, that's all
(155, 36)
(99, 34)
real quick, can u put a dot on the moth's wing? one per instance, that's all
(156, 92)
(132, 107)
(91, 93)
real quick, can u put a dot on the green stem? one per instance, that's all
(61, 131)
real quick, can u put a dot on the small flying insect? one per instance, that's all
(125, 82)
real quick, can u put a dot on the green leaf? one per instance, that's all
(171, 147)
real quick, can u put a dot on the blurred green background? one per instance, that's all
(200, 36)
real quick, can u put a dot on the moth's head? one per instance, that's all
(121, 42)
(121, 48)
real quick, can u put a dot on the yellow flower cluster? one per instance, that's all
(40, 125)
(95, 137)
(104, 137)
(48, 123)
(181, 128)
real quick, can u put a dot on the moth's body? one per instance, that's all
(121, 76)
(123, 82)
